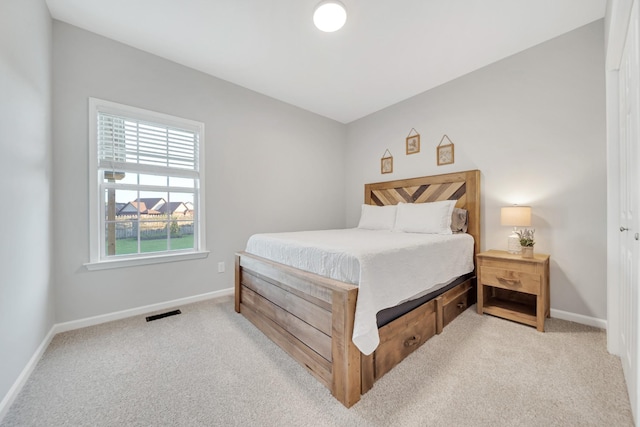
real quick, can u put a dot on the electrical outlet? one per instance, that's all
(221, 267)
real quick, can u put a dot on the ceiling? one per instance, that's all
(388, 50)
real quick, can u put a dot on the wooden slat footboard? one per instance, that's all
(308, 316)
(311, 318)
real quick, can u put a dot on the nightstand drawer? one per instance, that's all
(509, 279)
(512, 265)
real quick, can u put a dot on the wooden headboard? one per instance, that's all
(461, 186)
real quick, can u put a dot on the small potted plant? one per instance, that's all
(526, 241)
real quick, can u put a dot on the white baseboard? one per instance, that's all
(579, 318)
(13, 392)
(104, 318)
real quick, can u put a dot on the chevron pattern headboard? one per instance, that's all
(461, 186)
(420, 194)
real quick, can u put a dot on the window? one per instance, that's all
(146, 177)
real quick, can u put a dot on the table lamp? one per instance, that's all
(515, 216)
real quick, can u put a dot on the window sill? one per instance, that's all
(147, 260)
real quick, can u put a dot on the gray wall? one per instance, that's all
(534, 125)
(26, 302)
(269, 166)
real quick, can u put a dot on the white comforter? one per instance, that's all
(388, 267)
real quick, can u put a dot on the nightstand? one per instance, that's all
(513, 287)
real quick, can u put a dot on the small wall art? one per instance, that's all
(413, 142)
(386, 162)
(445, 152)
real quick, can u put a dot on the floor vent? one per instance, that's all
(160, 316)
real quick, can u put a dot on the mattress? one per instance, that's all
(388, 267)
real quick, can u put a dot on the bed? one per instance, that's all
(312, 317)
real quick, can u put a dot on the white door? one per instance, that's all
(629, 130)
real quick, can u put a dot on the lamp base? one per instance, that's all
(513, 243)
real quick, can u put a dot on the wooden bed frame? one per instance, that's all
(311, 317)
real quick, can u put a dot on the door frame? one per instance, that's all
(616, 27)
(616, 24)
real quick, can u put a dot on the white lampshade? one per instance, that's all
(330, 16)
(516, 216)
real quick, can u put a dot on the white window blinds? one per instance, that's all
(130, 144)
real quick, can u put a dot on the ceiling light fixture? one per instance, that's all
(329, 16)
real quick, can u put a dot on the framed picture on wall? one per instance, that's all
(386, 165)
(444, 153)
(386, 162)
(413, 144)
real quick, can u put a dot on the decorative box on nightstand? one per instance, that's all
(513, 287)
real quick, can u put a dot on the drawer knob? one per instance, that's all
(461, 305)
(412, 341)
(509, 282)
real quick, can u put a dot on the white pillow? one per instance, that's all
(430, 218)
(377, 217)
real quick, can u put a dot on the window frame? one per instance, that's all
(98, 259)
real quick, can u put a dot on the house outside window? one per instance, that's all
(147, 186)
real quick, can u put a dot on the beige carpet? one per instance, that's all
(209, 366)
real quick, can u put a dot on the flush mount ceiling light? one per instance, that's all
(329, 16)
